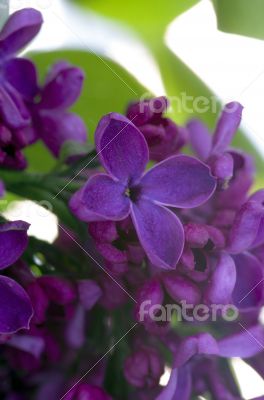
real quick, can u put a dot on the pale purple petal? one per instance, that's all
(200, 138)
(179, 181)
(181, 288)
(170, 389)
(30, 344)
(19, 30)
(13, 242)
(122, 148)
(15, 308)
(105, 198)
(227, 126)
(222, 282)
(184, 385)
(160, 233)
(75, 329)
(246, 343)
(89, 293)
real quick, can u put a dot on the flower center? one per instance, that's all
(133, 193)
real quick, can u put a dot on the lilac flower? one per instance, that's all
(17, 75)
(163, 136)
(17, 87)
(179, 181)
(15, 310)
(193, 348)
(144, 367)
(225, 163)
(54, 124)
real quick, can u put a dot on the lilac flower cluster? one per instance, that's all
(183, 228)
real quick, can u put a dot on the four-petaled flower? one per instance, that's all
(179, 181)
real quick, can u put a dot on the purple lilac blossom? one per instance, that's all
(179, 181)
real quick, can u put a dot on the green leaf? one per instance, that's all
(244, 17)
(147, 17)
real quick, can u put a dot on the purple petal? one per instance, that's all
(184, 386)
(179, 181)
(58, 290)
(181, 288)
(39, 300)
(222, 282)
(22, 75)
(19, 30)
(249, 289)
(63, 86)
(79, 209)
(160, 233)
(12, 108)
(122, 148)
(13, 242)
(149, 295)
(89, 293)
(75, 329)
(105, 198)
(246, 343)
(2, 189)
(227, 126)
(245, 227)
(30, 344)
(15, 309)
(58, 128)
(170, 389)
(200, 138)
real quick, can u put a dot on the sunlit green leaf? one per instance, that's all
(244, 17)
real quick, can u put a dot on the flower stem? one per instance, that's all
(4, 12)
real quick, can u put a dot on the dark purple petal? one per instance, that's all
(57, 128)
(160, 233)
(227, 126)
(39, 300)
(13, 242)
(249, 289)
(149, 295)
(181, 288)
(58, 290)
(179, 181)
(122, 148)
(246, 343)
(63, 86)
(245, 227)
(103, 198)
(15, 308)
(200, 138)
(22, 75)
(19, 30)
(89, 293)
(222, 282)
